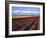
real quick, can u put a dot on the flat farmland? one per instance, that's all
(23, 23)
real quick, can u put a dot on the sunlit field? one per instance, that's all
(20, 23)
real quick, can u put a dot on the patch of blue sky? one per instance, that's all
(25, 11)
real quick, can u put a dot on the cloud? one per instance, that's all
(24, 12)
(19, 11)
